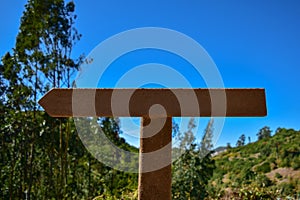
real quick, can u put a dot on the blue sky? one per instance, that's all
(253, 43)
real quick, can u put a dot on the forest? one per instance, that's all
(44, 158)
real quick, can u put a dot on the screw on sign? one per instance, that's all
(156, 107)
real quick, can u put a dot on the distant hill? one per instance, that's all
(219, 150)
(265, 169)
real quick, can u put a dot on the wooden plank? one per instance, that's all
(137, 102)
(155, 174)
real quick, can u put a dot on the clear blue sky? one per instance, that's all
(253, 43)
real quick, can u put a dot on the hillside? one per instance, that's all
(266, 169)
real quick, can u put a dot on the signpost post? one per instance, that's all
(155, 106)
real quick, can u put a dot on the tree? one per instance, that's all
(43, 157)
(45, 41)
(241, 141)
(264, 132)
(15, 128)
(188, 137)
(206, 142)
(2, 88)
(43, 51)
(228, 145)
(193, 169)
(41, 58)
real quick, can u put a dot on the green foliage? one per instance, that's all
(264, 168)
(262, 180)
(253, 193)
(249, 168)
(187, 139)
(33, 166)
(264, 132)
(42, 157)
(241, 141)
(286, 188)
(192, 171)
(45, 41)
(278, 176)
(190, 175)
(206, 142)
(296, 164)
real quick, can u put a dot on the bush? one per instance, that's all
(285, 162)
(287, 189)
(254, 193)
(272, 160)
(296, 164)
(263, 181)
(278, 176)
(264, 168)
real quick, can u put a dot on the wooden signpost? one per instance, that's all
(155, 184)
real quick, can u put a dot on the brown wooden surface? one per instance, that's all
(155, 174)
(155, 146)
(137, 102)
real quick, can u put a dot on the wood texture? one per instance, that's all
(137, 102)
(155, 106)
(155, 174)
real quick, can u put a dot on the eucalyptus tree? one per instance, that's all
(194, 168)
(264, 132)
(45, 42)
(41, 58)
(241, 141)
(206, 144)
(14, 129)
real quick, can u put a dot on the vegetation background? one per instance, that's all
(43, 157)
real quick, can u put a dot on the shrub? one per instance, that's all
(263, 181)
(264, 168)
(272, 160)
(285, 162)
(296, 164)
(247, 175)
(278, 176)
(287, 188)
(254, 193)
